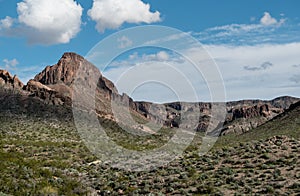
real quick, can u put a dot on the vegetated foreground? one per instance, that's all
(47, 157)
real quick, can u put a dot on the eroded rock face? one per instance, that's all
(47, 94)
(243, 116)
(9, 81)
(251, 111)
(73, 72)
(62, 72)
(73, 67)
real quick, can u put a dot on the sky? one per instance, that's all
(255, 44)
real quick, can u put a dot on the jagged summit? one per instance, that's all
(62, 72)
(61, 78)
(67, 68)
(9, 81)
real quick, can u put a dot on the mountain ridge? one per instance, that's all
(56, 84)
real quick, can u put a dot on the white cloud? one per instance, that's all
(52, 21)
(135, 58)
(266, 30)
(159, 56)
(273, 74)
(235, 28)
(6, 23)
(273, 81)
(267, 19)
(111, 14)
(169, 38)
(124, 42)
(162, 56)
(10, 64)
(158, 80)
(45, 21)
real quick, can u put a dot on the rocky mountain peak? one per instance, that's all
(72, 73)
(70, 57)
(62, 72)
(70, 66)
(9, 81)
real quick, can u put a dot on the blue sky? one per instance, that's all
(256, 43)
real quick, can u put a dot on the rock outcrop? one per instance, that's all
(248, 114)
(241, 117)
(71, 70)
(62, 72)
(9, 81)
(67, 70)
(47, 94)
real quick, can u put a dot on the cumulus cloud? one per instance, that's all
(45, 21)
(268, 20)
(264, 66)
(6, 23)
(133, 56)
(53, 21)
(111, 14)
(160, 56)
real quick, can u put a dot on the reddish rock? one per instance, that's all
(47, 94)
(72, 69)
(9, 81)
(62, 72)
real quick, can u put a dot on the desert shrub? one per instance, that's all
(268, 189)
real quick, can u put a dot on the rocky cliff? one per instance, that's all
(74, 76)
(55, 83)
(248, 114)
(9, 81)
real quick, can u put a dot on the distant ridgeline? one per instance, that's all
(49, 94)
